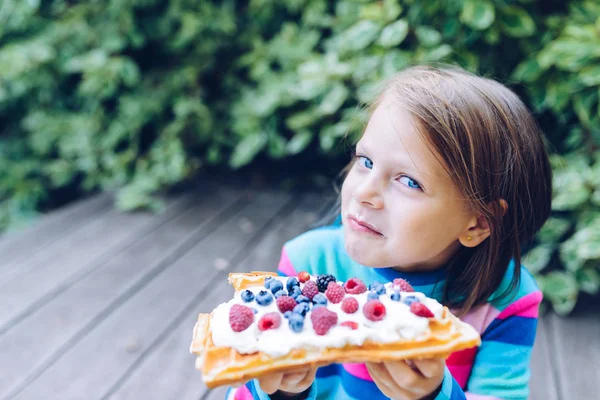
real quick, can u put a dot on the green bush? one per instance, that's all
(138, 95)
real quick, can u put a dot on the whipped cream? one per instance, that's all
(398, 323)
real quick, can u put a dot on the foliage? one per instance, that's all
(138, 95)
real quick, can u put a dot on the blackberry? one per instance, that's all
(395, 296)
(320, 299)
(264, 298)
(247, 296)
(323, 280)
(292, 282)
(275, 286)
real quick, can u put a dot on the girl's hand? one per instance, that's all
(408, 380)
(288, 382)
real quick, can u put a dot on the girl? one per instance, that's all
(449, 179)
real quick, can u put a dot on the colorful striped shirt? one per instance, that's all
(498, 369)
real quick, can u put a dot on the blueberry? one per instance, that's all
(301, 308)
(275, 286)
(254, 310)
(268, 281)
(377, 287)
(373, 285)
(395, 296)
(408, 300)
(302, 299)
(280, 293)
(287, 314)
(292, 282)
(264, 298)
(296, 323)
(295, 291)
(317, 305)
(247, 296)
(320, 299)
(372, 296)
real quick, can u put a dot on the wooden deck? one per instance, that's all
(98, 304)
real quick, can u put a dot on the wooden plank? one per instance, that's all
(50, 273)
(47, 229)
(69, 316)
(168, 371)
(576, 349)
(543, 384)
(95, 363)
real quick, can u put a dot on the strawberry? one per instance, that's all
(421, 310)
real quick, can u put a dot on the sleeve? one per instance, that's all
(501, 367)
(285, 267)
(450, 388)
(258, 394)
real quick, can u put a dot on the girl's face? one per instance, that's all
(399, 206)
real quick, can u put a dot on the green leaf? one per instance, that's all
(589, 280)
(478, 14)
(435, 54)
(394, 34)
(299, 142)
(516, 22)
(360, 35)
(554, 229)
(561, 289)
(334, 99)
(527, 71)
(538, 258)
(246, 149)
(428, 36)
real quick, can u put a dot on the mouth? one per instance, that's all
(357, 224)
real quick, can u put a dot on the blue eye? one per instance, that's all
(367, 163)
(411, 183)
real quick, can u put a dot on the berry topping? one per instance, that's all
(323, 320)
(372, 296)
(310, 289)
(286, 303)
(303, 276)
(421, 310)
(268, 321)
(301, 308)
(247, 296)
(395, 296)
(275, 286)
(377, 287)
(402, 285)
(254, 310)
(287, 314)
(302, 299)
(323, 280)
(320, 299)
(295, 292)
(240, 317)
(355, 286)
(296, 322)
(264, 298)
(408, 300)
(374, 310)
(334, 292)
(268, 281)
(291, 282)
(350, 324)
(280, 293)
(349, 305)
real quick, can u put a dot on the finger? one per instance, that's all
(293, 378)
(401, 373)
(271, 383)
(431, 367)
(379, 378)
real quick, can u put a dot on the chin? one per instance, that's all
(364, 254)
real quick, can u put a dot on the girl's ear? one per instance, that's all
(478, 228)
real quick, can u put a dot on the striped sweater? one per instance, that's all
(498, 369)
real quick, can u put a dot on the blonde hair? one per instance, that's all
(493, 149)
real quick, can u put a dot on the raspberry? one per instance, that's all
(323, 280)
(351, 324)
(374, 310)
(349, 305)
(421, 310)
(303, 276)
(322, 320)
(310, 289)
(355, 286)
(286, 303)
(334, 292)
(240, 317)
(402, 285)
(268, 321)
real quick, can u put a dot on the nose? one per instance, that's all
(369, 193)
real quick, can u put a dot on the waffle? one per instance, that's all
(224, 365)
